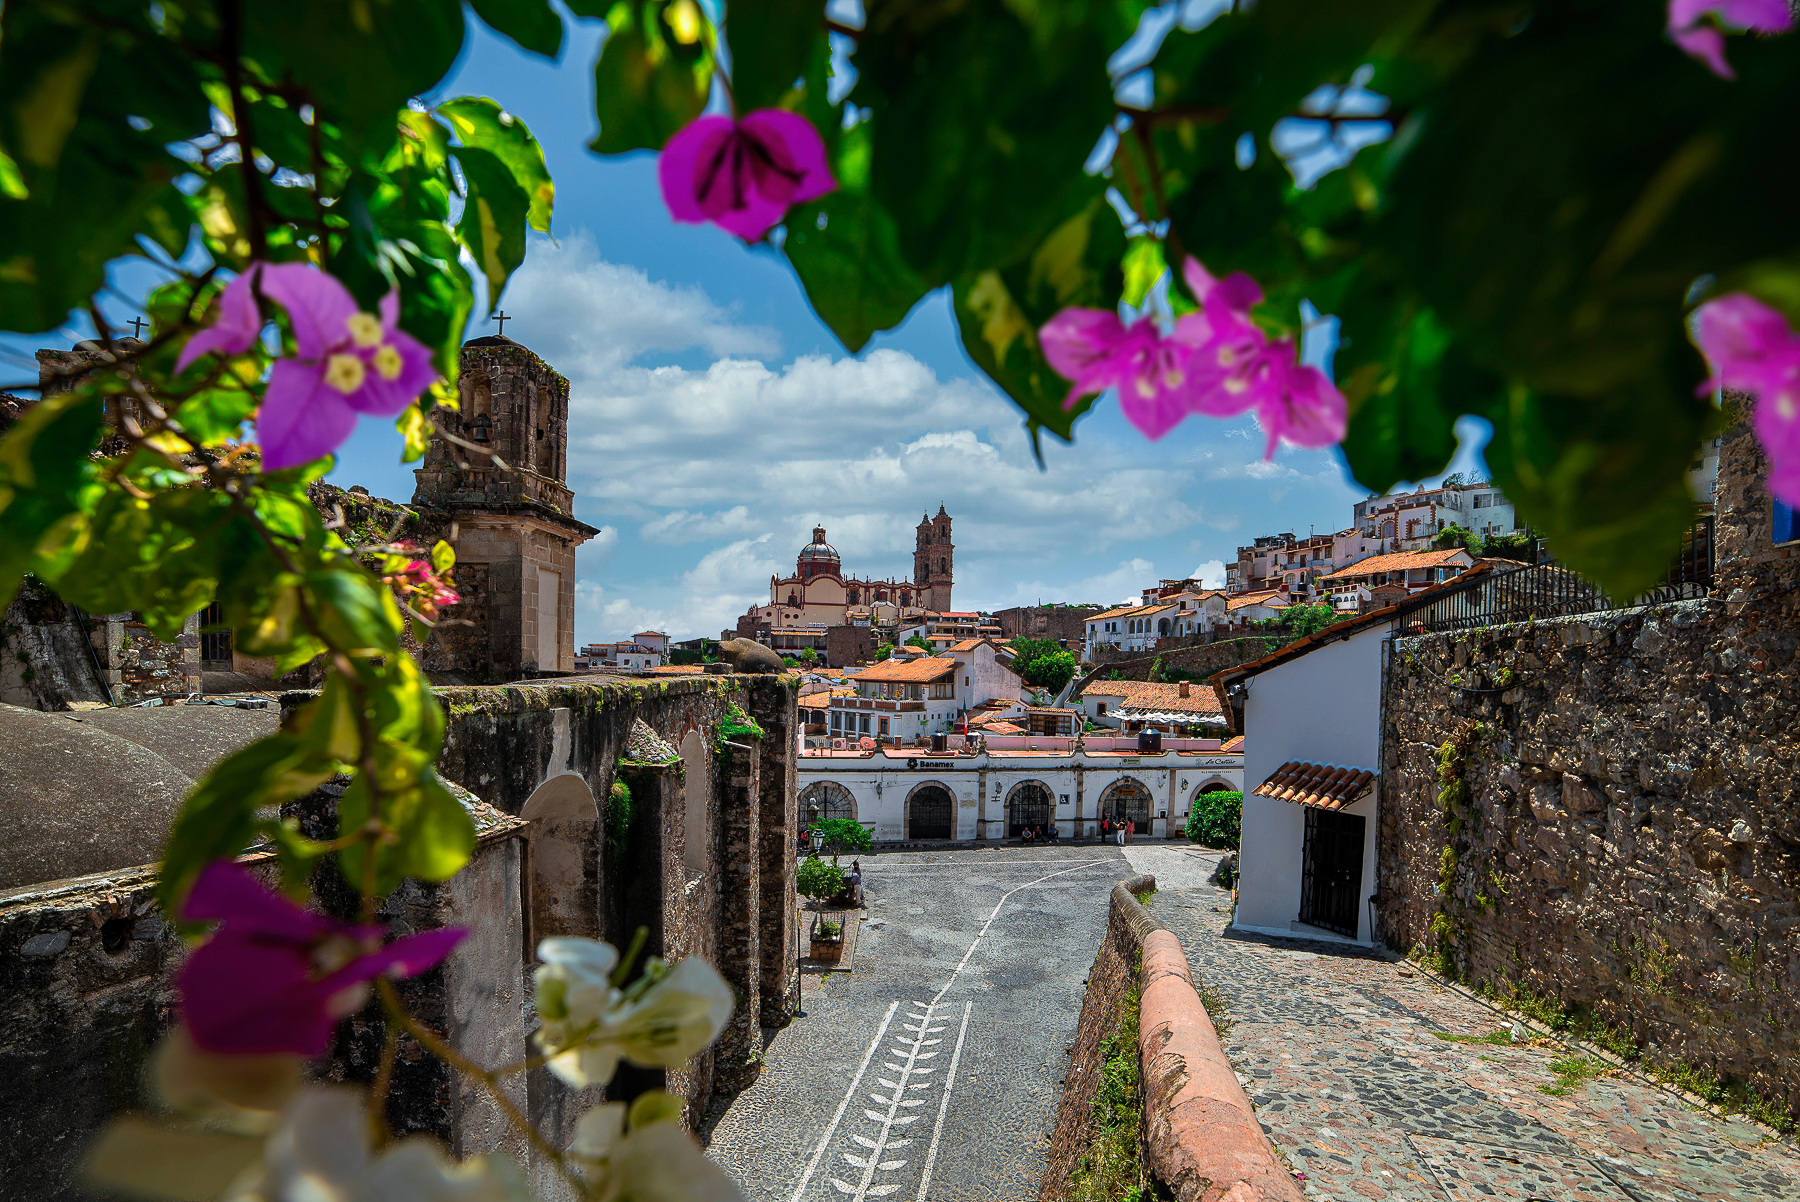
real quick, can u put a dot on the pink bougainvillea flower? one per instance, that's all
(349, 362)
(1752, 349)
(236, 327)
(1689, 28)
(743, 175)
(275, 977)
(1237, 368)
(1150, 369)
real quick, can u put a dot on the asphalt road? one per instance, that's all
(933, 1069)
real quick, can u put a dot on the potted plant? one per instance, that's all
(818, 880)
(826, 942)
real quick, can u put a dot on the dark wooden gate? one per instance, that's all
(1331, 870)
(1030, 805)
(932, 811)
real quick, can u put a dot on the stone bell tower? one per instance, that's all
(515, 535)
(934, 561)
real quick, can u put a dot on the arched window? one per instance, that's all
(1162, 627)
(793, 598)
(853, 596)
(1125, 799)
(825, 800)
(943, 565)
(565, 858)
(906, 598)
(1029, 804)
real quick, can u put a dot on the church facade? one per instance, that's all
(819, 594)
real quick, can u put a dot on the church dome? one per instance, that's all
(818, 558)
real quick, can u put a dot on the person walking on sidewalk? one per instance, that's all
(856, 897)
(1120, 827)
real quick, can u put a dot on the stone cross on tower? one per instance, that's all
(502, 318)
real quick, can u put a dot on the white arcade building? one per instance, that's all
(992, 788)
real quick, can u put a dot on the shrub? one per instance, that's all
(843, 835)
(819, 880)
(1215, 819)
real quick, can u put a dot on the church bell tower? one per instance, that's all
(934, 561)
(513, 512)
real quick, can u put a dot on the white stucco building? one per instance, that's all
(989, 789)
(1311, 717)
(908, 698)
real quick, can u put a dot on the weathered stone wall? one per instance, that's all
(46, 660)
(86, 989)
(1201, 659)
(1113, 976)
(504, 742)
(1629, 843)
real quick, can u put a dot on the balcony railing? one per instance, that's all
(1550, 590)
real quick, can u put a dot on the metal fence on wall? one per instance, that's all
(1550, 590)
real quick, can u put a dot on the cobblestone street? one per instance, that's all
(1340, 1051)
(933, 1069)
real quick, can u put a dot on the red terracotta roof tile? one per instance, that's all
(917, 671)
(1325, 786)
(1233, 745)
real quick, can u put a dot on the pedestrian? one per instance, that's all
(856, 898)
(1105, 829)
(1120, 827)
(1130, 828)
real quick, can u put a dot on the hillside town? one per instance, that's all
(479, 721)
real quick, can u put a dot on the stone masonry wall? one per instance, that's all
(1629, 844)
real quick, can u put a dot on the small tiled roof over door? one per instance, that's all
(1326, 786)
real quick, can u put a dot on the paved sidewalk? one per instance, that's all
(1339, 1050)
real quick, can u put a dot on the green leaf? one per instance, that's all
(479, 121)
(771, 42)
(493, 220)
(355, 611)
(46, 486)
(433, 836)
(219, 818)
(533, 24)
(86, 179)
(1399, 427)
(1000, 313)
(360, 61)
(1611, 505)
(845, 249)
(979, 144)
(654, 75)
(443, 556)
(1144, 264)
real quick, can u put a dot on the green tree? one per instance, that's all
(1042, 664)
(818, 880)
(1521, 546)
(808, 657)
(919, 641)
(1309, 618)
(844, 835)
(1457, 536)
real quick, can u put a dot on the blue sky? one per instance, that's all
(715, 420)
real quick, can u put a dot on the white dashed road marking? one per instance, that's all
(910, 1073)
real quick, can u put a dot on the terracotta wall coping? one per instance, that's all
(1202, 1138)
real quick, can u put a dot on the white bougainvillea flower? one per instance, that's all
(655, 1161)
(320, 1150)
(589, 1025)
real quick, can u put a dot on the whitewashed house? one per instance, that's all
(1311, 717)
